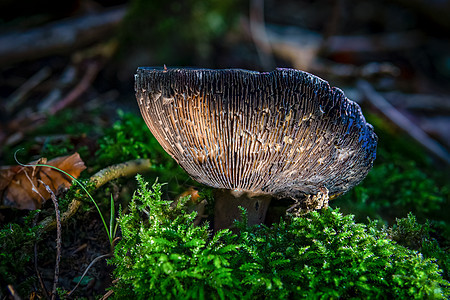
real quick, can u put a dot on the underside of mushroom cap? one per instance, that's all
(285, 132)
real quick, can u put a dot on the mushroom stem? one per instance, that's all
(226, 209)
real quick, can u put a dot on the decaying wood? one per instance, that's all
(100, 178)
(88, 62)
(107, 294)
(348, 71)
(59, 37)
(437, 127)
(120, 170)
(400, 120)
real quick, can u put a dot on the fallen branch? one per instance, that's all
(401, 121)
(100, 178)
(59, 37)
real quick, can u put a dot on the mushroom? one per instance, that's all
(257, 136)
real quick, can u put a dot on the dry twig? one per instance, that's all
(99, 179)
(107, 295)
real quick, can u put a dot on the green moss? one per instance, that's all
(129, 138)
(402, 180)
(325, 254)
(421, 237)
(16, 254)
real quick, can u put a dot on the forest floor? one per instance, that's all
(64, 97)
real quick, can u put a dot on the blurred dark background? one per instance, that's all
(401, 47)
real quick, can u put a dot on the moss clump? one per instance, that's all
(393, 189)
(421, 237)
(16, 254)
(129, 138)
(324, 254)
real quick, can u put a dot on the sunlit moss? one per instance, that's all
(323, 254)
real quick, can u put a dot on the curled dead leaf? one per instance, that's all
(22, 187)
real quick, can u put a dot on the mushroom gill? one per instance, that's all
(284, 133)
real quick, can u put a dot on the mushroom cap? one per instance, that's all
(285, 132)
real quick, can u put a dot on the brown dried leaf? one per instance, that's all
(20, 187)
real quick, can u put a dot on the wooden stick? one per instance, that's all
(402, 122)
(100, 178)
